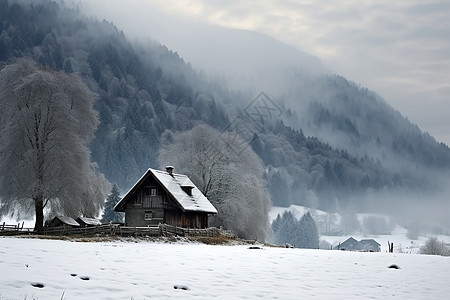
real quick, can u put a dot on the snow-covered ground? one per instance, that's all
(150, 270)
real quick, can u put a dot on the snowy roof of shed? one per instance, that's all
(90, 221)
(67, 220)
(173, 184)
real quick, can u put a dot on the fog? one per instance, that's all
(399, 50)
(206, 46)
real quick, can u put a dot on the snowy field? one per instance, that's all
(150, 270)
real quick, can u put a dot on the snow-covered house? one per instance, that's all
(61, 221)
(165, 197)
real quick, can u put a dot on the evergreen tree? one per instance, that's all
(308, 236)
(300, 234)
(285, 229)
(276, 223)
(109, 215)
(279, 190)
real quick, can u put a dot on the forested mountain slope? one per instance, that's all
(340, 140)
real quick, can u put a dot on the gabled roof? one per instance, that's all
(173, 185)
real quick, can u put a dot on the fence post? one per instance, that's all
(390, 247)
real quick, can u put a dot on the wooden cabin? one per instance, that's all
(165, 197)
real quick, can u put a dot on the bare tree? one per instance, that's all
(232, 182)
(434, 247)
(46, 125)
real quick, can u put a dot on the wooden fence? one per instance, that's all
(116, 229)
(15, 229)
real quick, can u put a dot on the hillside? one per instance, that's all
(334, 144)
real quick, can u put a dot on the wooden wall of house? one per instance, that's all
(136, 217)
(186, 219)
(150, 195)
(140, 217)
(146, 206)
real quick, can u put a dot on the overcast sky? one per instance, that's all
(399, 49)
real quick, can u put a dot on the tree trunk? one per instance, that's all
(39, 211)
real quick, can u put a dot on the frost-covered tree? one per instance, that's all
(109, 215)
(434, 247)
(301, 233)
(285, 229)
(232, 180)
(308, 235)
(46, 125)
(279, 188)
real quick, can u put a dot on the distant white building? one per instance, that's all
(351, 244)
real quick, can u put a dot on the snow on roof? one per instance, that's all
(173, 185)
(68, 220)
(350, 240)
(90, 221)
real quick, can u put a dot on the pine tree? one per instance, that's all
(285, 229)
(308, 235)
(109, 215)
(301, 233)
(276, 223)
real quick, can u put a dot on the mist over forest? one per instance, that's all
(325, 142)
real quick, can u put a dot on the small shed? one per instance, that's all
(61, 221)
(88, 222)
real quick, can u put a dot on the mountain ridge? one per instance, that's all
(147, 91)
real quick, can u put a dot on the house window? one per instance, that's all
(148, 216)
(150, 191)
(187, 189)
